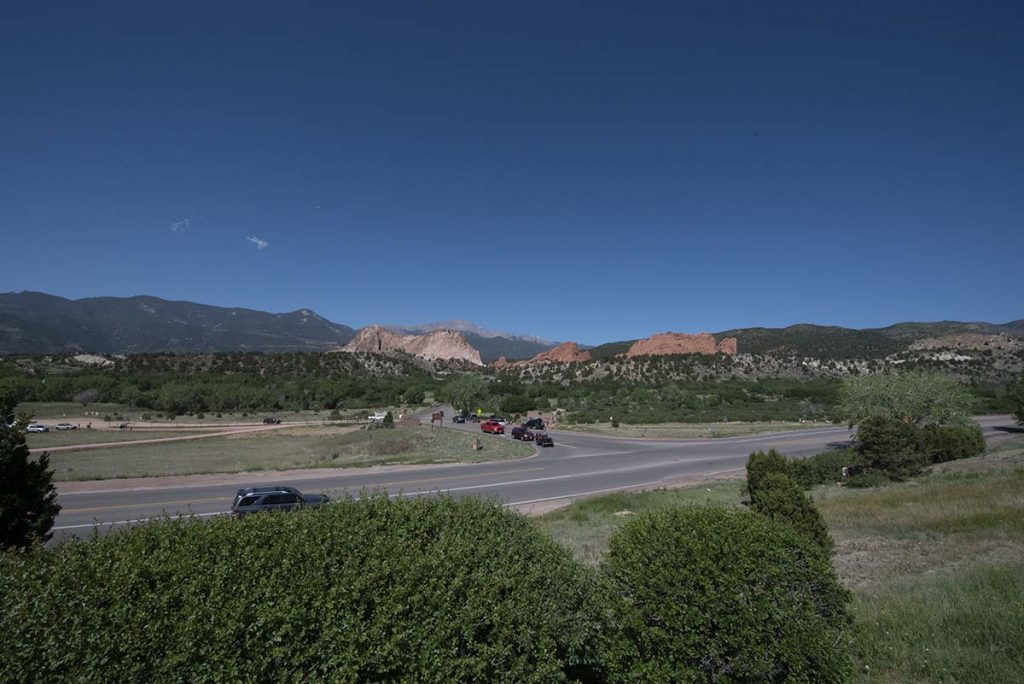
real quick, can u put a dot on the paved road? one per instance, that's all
(579, 465)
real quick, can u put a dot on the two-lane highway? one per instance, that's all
(579, 465)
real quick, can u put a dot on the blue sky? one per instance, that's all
(572, 170)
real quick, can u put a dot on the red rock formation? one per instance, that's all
(567, 352)
(501, 363)
(680, 343)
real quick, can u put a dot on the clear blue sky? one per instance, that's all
(575, 171)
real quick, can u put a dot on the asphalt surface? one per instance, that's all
(579, 465)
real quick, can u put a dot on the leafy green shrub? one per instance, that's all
(389, 420)
(868, 479)
(373, 590)
(891, 447)
(711, 594)
(941, 443)
(760, 464)
(823, 468)
(517, 404)
(780, 499)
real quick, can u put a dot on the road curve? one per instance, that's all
(579, 465)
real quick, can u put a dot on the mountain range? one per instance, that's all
(34, 322)
(38, 323)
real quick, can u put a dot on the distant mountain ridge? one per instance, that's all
(34, 322)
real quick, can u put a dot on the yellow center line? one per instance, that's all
(221, 498)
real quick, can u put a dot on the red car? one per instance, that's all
(493, 427)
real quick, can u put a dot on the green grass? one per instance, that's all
(299, 447)
(693, 430)
(936, 565)
(967, 626)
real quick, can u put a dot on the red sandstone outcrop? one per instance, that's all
(439, 344)
(681, 343)
(567, 352)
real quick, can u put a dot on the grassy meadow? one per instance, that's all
(315, 446)
(694, 430)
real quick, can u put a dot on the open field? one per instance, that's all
(692, 430)
(936, 564)
(55, 438)
(70, 412)
(313, 446)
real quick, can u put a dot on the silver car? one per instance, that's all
(272, 498)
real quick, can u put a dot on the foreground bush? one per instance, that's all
(760, 464)
(374, 590)
(941, 443)
(709, 594)
(779, 498)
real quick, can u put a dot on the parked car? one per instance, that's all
(272, 498)
(534, 424)
(473, 418)
(459, 419)
(377, 417)
(493, 427)
(521, 433)
(498, 419)
(65, 426)
(271, 420)
(543, 439)
(37, 427)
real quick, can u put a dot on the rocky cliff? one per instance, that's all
(681, 343)
(439, 344)
(567, 352)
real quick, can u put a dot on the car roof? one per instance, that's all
(267, 489)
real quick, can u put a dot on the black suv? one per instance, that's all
(534, 424)
(271, 420)
(272, 498)
(458, 419)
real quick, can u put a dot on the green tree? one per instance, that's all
(466, 393)
(1018, 400)
(890, 446)
(914, 398)
(28, 499)
(760, 464)
(778, 497)
(414, 395)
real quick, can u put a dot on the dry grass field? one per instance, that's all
(692, 430)
(318, 446)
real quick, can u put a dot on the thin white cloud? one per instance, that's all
(259, 242)
(181, 226)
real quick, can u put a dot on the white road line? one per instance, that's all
(552, 477)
